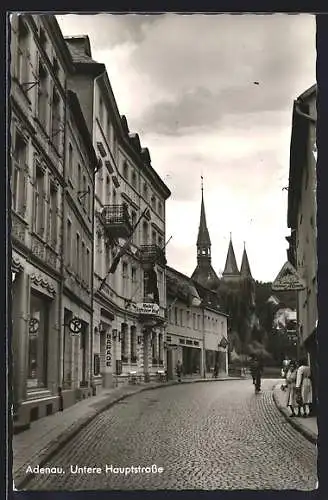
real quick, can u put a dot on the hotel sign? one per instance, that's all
(147, 308)
(288, 279)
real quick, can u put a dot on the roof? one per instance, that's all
(181, 286)
(245, 269)
(203, 234)
(205, 275)
(231, 267)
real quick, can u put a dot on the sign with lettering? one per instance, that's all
(288, 279)
(108, 349)
(147, 308)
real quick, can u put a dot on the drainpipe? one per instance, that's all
(93, 139)
(61, 341)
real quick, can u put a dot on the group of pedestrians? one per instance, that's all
(298, 387)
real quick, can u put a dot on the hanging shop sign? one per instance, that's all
(288, 279)
(75, 326)
(108, 349)
(33, 327)
(223, 343)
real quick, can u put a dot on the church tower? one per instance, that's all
(231, 272)
(204, 273)
(245, 270)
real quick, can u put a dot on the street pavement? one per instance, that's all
(191, 436)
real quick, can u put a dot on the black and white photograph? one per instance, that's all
(163, 206)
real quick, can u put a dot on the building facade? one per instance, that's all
(302, 218)
(38, 68)
(78, 221)
(129, 247)
(195, 328)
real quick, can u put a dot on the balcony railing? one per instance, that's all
(116, 220)
(152, 254)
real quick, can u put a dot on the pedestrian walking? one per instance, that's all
(256, 367)
(304, 388)
(179, 370)
(291, 389)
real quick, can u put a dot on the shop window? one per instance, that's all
(38, 342)
(133, 342)
(68, 349)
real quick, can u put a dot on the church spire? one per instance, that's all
(203, 240)
(245, 269)
(231, 268)
(204, 272)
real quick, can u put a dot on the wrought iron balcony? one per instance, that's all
(152, 254)
(116, 220)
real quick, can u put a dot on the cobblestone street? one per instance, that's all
(204, 436)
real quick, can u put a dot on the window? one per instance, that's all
(145, 191)
(43, 96)
(194, 321)
(52, 216)
(84, 193)
(107, 194)
(145, 233)
(125, 170)
(43, 39)
(101, 111)
(114, 197)
(175, 315)
(55, 67)
(55, 121)
(181, 317)
(39, 200)
(124, 342)
(160, 284)
(154, 237)
(160, 208)
(18, 176)
(79, 177)
(70, 161)
(68, 242)
(125, 279)
(160, 241)
(134, 179)
(115, 148)
(153, 202)
(84, 264)
(88, 276)
(134, 280)
(89, 201)
(22, 52)
(77, 255)
(188, 319)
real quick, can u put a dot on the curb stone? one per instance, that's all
(64, 438)
(307, 433)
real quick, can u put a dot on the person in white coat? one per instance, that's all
(291, 389)
(304, 387)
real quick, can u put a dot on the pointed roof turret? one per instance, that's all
(203, 239)
(231, 267)
(245, 269)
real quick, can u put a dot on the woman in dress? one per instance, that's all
(291, 389)
(304, 387)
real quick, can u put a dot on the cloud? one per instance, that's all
(186, 85)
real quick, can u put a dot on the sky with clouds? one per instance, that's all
(186, 85)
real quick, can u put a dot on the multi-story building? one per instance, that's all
(129, 255)
(38, 68)
(302, 217)
(196, 332)
(78, 224)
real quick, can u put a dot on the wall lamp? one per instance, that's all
(114, 334)
(139, 339)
